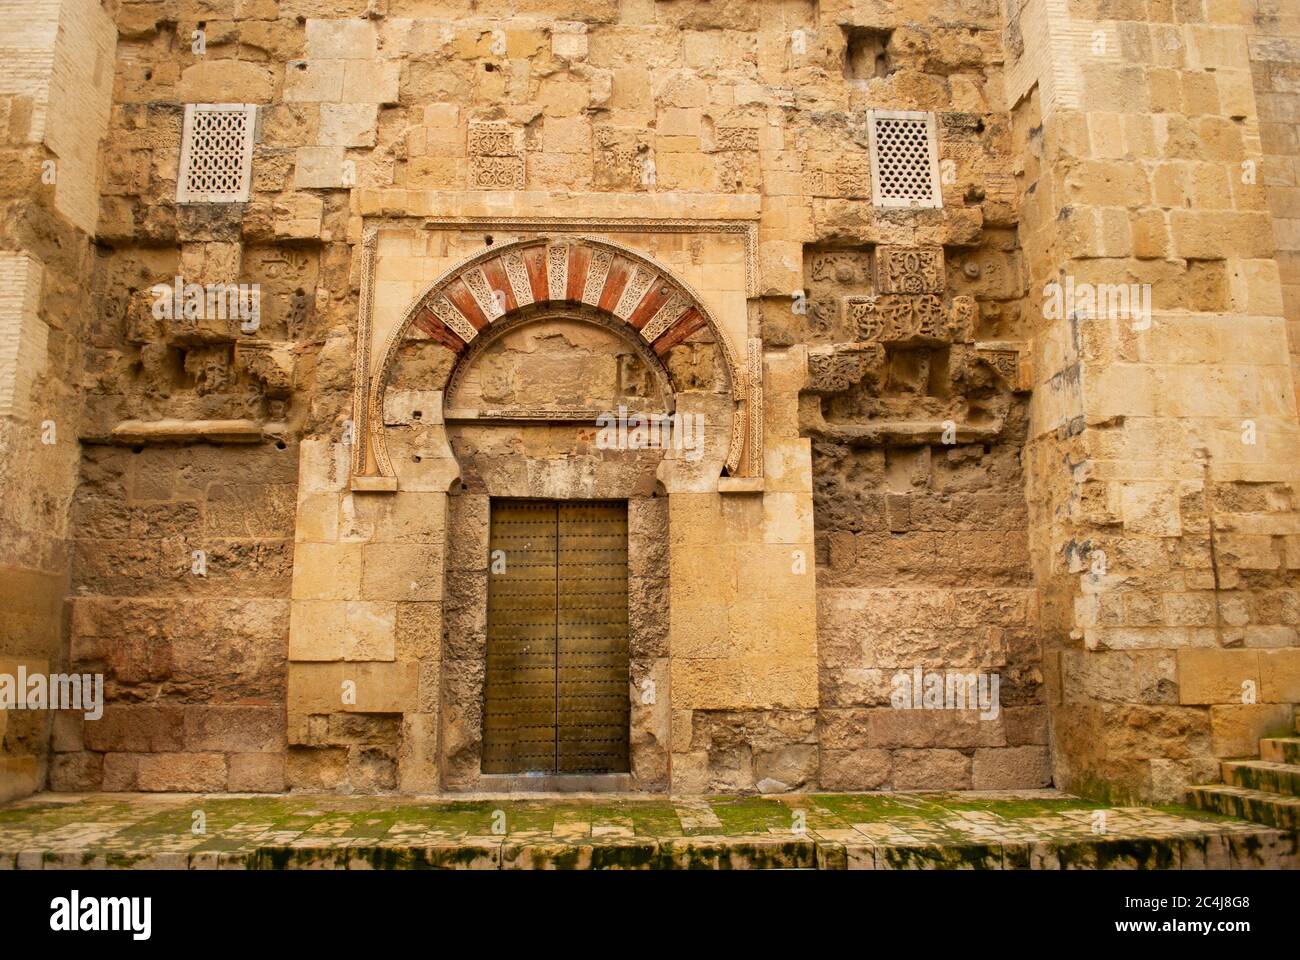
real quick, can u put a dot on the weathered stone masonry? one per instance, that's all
(474, 226)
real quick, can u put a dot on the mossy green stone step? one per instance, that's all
(1280, 749)
(1273, 809)
(1266, 775)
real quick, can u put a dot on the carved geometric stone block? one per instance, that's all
(1004, 362)
(909, 269)
(892, 317)
(844, 267)
(492, 140)
(497, 173)
(838, 371)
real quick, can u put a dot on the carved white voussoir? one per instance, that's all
(672, 311)
(597, 273)
(490, 301)
(517, 274)
(633, 293)
(453, 319)
(557, 270)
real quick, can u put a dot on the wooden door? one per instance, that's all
(557, 698)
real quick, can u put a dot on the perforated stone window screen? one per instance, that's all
(216, 153)
(904, 147)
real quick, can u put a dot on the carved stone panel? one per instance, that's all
(837, 371)
(483, 294)
(287, 277)
(845, 267)
(735, 138)
(497, 173)
(1005, 363)
(597, 272)
(665, 317)
(754, 405)
(892, 317)
(557, 270)
(830, 274)
(623, 156)
(909, 269)
(444, 310)
(963, 316)
(493, 139)
(849, 177)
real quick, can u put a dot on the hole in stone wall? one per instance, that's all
(939, 385)
(280, 445)
(866, 53)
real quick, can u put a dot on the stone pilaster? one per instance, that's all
(56, 74)
(1163, 456)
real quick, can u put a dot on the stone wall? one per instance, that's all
(933, 469)
(1162, 448)
(55, 81)
(1274, 38)
(675, 116)
(915, 408)
(181, 563)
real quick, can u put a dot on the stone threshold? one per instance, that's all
(1026, 830)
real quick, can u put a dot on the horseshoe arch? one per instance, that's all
(504, 282)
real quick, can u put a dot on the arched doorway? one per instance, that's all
(561, 373)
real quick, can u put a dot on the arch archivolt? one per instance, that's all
(594, 279)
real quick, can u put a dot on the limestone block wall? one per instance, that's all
(1162, 448)
(182, 558)
(725, 138)
(1274, 39)
(1064, 500)
(365, 634)
(742, 643)
(55, 82)
(919, 505)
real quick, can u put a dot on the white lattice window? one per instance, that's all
(904, 158)
(216, 153)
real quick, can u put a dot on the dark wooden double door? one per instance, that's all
(557, 696)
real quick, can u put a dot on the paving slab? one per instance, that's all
(1033, 830)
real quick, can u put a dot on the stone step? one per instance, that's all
(1256, 805)
(1280, 749)
(1269, 776)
